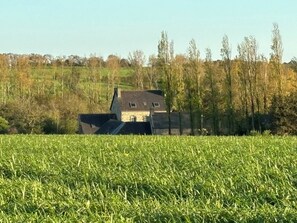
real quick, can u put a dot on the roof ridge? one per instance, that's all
(139, 90)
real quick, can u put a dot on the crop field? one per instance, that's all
(78, 178)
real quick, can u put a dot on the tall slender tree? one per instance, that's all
(193, 79)
(213, 92)
(248, 59)
(228, 84)
(276, 57)
(178, 65)
(263, 83)
(137, 61)
(165, 55)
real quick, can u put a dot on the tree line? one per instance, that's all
(42, 94)
(234, 95)
(249, 93)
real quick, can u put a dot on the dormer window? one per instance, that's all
(132, 105)
(156, 104)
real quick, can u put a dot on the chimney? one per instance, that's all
(117, 91)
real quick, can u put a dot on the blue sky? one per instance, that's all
(103, 27)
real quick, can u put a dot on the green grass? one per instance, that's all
(147, 179)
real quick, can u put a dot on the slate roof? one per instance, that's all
(110, 127)
(116, 127)
(136, 128)
(91, 123)
(142, 100)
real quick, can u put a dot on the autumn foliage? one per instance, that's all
(235, 94)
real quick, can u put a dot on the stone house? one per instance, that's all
(136, 106)
(135, 112)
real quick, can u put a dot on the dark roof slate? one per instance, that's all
(143, 100)
(136, 128)
(116, 127)
(91, 123)
(110, 127)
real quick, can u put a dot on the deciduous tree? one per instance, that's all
(212, 92)
(248, 73)
(228, 83)
(193, 82)
(276, 57)
(152, 73)
(137, 61)
(113, 76)
(165, 56)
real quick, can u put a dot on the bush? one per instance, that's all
(284, 114)
(254, 133)
(4, 125)
(266, 133)
(49, 126)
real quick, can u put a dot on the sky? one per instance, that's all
(104, 27)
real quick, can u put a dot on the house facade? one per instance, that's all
(136, 112)
(136, 106)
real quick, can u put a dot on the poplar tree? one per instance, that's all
(165, 56)
(178, 65)
(228, 84)
(137, 61)
(276, 57)
(213, 95)
(248, 75)
(193, 84)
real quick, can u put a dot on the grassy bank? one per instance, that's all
(147, 179)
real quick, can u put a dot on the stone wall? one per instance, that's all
(141, 116)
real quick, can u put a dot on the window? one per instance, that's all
(132, 104)
(156, 104)
(145, 118)
(133, 118)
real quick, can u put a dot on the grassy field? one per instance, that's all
(147, 179)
